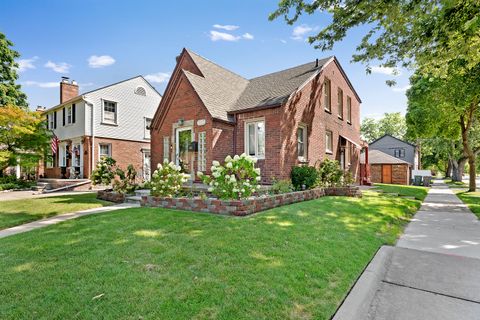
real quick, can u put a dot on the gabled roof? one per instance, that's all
(389, 135)
(81, 96)
(224, 92)
(379, 157)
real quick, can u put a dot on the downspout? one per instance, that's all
(92, 129)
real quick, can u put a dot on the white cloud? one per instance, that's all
(386, 70)
(100, 61)
(401, 89)
(158, 77)
(61, 67)
(300, 31)
(222, 36)
(25, 64)
(227, 27)
(283, 41)
(247, 36)
(87, 84)
(41, 84)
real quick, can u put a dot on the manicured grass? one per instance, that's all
(410, 191)
(472, 200)
(455, 184)
(17, 212)
(295, 261)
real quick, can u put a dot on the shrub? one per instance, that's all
(281, 186)
(236, 179)
(126, 182)
(330, 174)
(167, 180)
(104, 172)
(304, 176)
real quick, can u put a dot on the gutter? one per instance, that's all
(92, 124)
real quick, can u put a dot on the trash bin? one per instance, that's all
(417, 180)
(426, 181)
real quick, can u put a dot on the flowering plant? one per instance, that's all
(236, 179)
(167, 180)
(104, 172)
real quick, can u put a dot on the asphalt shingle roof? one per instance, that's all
(379, 157)
(223, 91)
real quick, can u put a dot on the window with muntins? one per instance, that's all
(69, 115)
(349, 110)
(329, 142)
(166, 148)
(340, 103)
(202, 151)
(109, 112)
(51, 121)
(255, 138)
(105, 150)
(327, 97)
(302, 142)
(399, 153)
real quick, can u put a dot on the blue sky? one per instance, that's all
(101, 42)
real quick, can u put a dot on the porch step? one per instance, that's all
(41, 186)
(133, 199)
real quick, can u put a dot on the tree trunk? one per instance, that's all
(448, 171)
(467, 150)
(457, 169)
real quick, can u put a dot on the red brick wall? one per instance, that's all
(400, 174)
(222, 144)
(67, 91)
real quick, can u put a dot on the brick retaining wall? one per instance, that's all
(241, 207)
(110, 196)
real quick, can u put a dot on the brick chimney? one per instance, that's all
(68, 90)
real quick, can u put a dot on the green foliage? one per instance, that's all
(126, 182)
(11, 182)
(330, 174)
(105, 171)
(281, 186)
(23, 136)
(236, 179)
(393, 124)
(10, 93)
(304, 177)
(167, 180)
(428, 34)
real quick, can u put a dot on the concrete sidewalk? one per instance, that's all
(432, 273)
(60, 218)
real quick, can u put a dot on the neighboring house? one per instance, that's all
(385, 168)
(399, 149)
(110, 121)
(296, 116)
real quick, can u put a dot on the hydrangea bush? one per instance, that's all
(167, 180)
(104, 172)
(237, 178)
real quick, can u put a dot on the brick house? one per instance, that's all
(296, 116)
(110, 121)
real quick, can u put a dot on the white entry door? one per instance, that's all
(146, 166)
(183, 157)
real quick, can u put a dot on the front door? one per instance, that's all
(386, 173)
(146, 166)
(183, 157)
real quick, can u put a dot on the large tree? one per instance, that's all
(10, 93)
(425, 34)
(391, 123)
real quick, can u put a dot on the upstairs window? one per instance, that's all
(109, 112)
(349, 110)
(329, 142)
(340, 103)
(148, 123)
(51, 120)
(140, 91)
(255, 138)
(69, 115)
(302, 142)
(327, 96)
(399, 153)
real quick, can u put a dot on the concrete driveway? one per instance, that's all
(432, 273)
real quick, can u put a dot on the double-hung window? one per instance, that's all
(202, 151)
(340, 103)
(399, 153)
(329, 142)
(105, 150)
(349, 110)
(166, 148)
(255, 138)
(51, 121)
(327, 96)
(109, 112)
(69, 115)
(302, 142)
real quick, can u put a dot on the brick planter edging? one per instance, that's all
(232, 207)
(110, 196)
(343, 191)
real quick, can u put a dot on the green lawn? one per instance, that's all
(17, 212)
(410, 191)
(472, 200)
(292, 262)
(455, 184)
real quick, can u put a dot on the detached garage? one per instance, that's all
(387, 169)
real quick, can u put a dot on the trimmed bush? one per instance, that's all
(281, 186)
(304, 176)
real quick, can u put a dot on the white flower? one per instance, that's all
(215, 163)
(243, 155)
(154, 188)
(165, 161)
(159, 166)
(228, 159)
(257, 170)
(210, 189)
(199, 174)
(258, 178)
(216, 174)
(229, 165)
(254, 160)
(235, 190)
(215, 183)
(213, 168)
(243, 190)
(236, 158)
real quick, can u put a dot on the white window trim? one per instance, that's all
(246, 140)
(51, 121)
(115, 123)
(67, 121)
(327, 150)
(202, 151)
(349, 110)
(166, 155)
(147, 134)
(305, 142)
(329, 109)
(109, 150)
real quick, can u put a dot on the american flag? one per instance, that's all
(54, 144)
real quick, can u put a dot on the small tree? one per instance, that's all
(330, 174)
(127, 181)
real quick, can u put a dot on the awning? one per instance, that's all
(349, 140)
